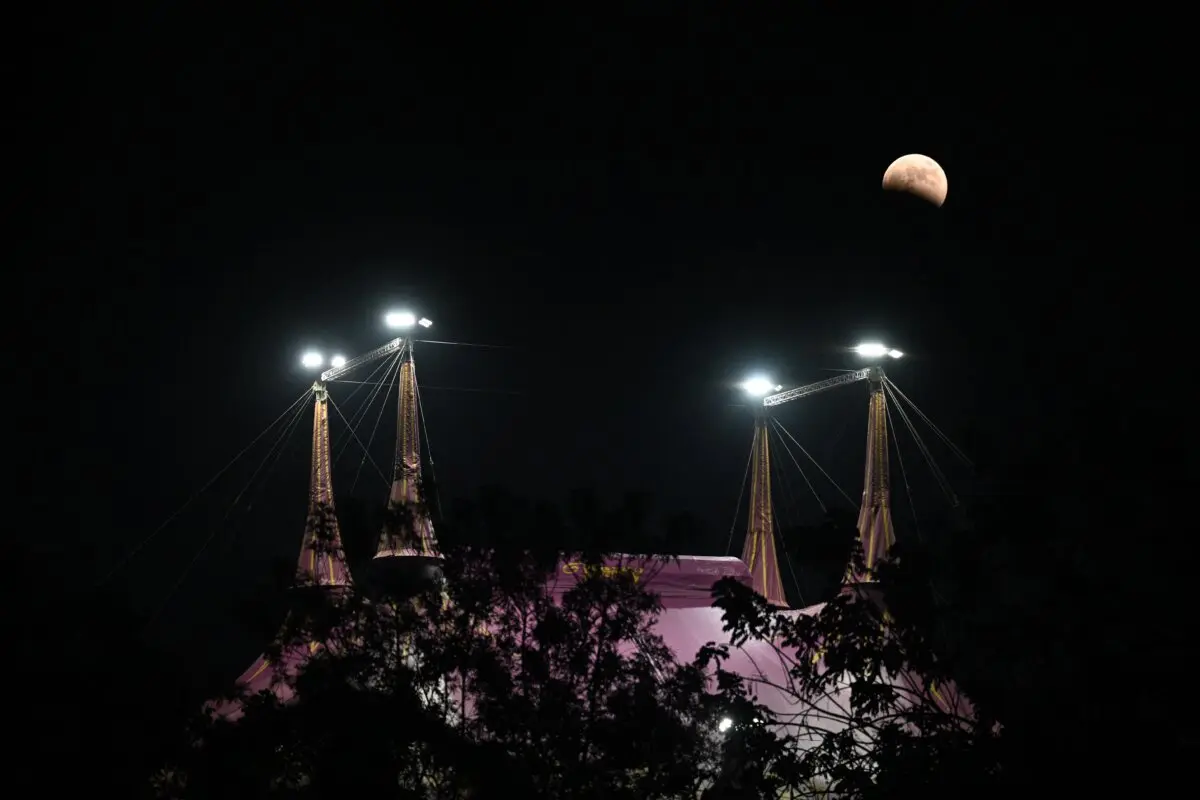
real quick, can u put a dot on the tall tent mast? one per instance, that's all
(322, 556)
(322, 563)
(875, 532)
(409, 529)
(758, 552)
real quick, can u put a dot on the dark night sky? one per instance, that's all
(644, 208)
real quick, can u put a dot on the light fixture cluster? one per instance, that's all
(759, 385)
(398, 320)
(314, 360)
(405, 319)
(876, 350)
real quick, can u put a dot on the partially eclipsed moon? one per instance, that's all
(918, 175)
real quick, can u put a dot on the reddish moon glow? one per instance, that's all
(917, 175)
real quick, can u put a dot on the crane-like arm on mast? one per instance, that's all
(365, 358)
(819, 386)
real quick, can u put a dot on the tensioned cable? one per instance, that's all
(256, 490)
(800, 469)
(360, 444)
(781, 481)
(943, 484)
(291, 427)
(779, 528)
(892, 391)
(903, 472)
(276, 450)
(470, 344)
(813, 460)
(360, 412)
(511, 392)
(340, 443)
(741, 493)
(781, 487)
(137, 548)
(953, 447)
(273, 455)
(375, 428)
(788, 557)
(382, 363)
(437, 492)
(362, 409)
(925, 452)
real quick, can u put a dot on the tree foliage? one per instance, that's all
(490, 685)
(490, 675)
(483, 686)
(874, 713)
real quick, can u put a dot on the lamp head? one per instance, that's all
(400, 319)
(758, 386)
(876, 350)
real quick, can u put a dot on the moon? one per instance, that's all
(918, 175)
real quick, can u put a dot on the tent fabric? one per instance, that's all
(689, 621)
(680, 581)
(414, 536)
(322, 559)
(265, 674)
(686, 624)
(876, 533)
(322, 563)
(758, 552)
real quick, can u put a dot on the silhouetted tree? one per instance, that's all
(488, 676)
(485, 687)
(876, 713)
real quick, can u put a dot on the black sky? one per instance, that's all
(643, 207)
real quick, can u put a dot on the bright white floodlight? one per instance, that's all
(311, 360)
(875, 350)
(424, 323)
(400, 319)
(759, 386)
(725, 724)
(337, 361)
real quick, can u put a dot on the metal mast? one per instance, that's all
(322, 558)
(322, 563)
(408, 532)
(758, 552)
(409, 529)
(875, 532)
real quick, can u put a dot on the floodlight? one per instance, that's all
(400, 319)
(876, 350)
(424, 322)
(871, 350)
(758, 386)
(311, 360)
(337, 361)
(725, 724)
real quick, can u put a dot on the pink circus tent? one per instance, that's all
(688, 620)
